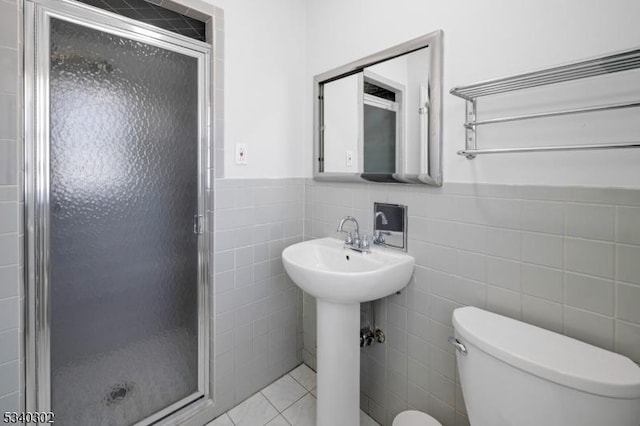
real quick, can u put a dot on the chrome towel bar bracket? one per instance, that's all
(606, 64)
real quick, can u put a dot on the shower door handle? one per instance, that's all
(197, 224)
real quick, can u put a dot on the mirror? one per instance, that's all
(379, 119)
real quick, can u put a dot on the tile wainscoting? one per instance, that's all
(563, 258)
(257, 309)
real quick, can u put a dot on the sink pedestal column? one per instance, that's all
(338, 359)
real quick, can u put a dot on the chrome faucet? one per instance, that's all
(349, 239)
(378, 235)
(353, 241)
(381, 215)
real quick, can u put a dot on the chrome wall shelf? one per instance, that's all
(608, 64)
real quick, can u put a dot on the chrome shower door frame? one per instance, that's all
(38, 14)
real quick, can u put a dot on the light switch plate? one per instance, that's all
(349, 158)
(241, 154)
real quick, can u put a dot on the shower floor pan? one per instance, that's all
(107, 392)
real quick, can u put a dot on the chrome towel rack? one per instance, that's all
(608, 64)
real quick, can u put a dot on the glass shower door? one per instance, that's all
(123, 256)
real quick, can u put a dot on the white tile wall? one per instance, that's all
(257, 308)
(562, 258)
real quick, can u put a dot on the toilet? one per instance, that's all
(516, 374)
(414, 418)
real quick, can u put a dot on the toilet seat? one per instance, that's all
(414, 418)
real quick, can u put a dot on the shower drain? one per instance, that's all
(118, 393)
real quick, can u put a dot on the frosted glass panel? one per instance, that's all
(123, 255)
(379, 140)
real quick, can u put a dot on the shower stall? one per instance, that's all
(116, 168)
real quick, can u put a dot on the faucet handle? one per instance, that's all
(378, 236)
(365, 243)
(349, 239)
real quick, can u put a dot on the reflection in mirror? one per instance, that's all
(340, 121)
(378, 119)
(382, 124)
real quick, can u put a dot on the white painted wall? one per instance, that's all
(484, 40)
(264, 78)
(341, 118)
(273, 49)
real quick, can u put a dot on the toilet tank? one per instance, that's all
(516, 374)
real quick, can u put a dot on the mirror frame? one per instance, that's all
(433, 175)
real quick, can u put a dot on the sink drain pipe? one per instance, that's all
(371, 334)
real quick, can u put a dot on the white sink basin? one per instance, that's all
(340, 279)
(325, 269)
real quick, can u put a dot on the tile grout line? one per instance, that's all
(281, 413)
(229, 417)
(270, 403)
(308, 390)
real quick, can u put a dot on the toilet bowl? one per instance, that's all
(414, 418)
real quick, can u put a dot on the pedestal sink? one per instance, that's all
(340, 279)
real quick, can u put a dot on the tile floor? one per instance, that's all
(291, 400)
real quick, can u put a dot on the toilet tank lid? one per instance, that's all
(552, 356)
